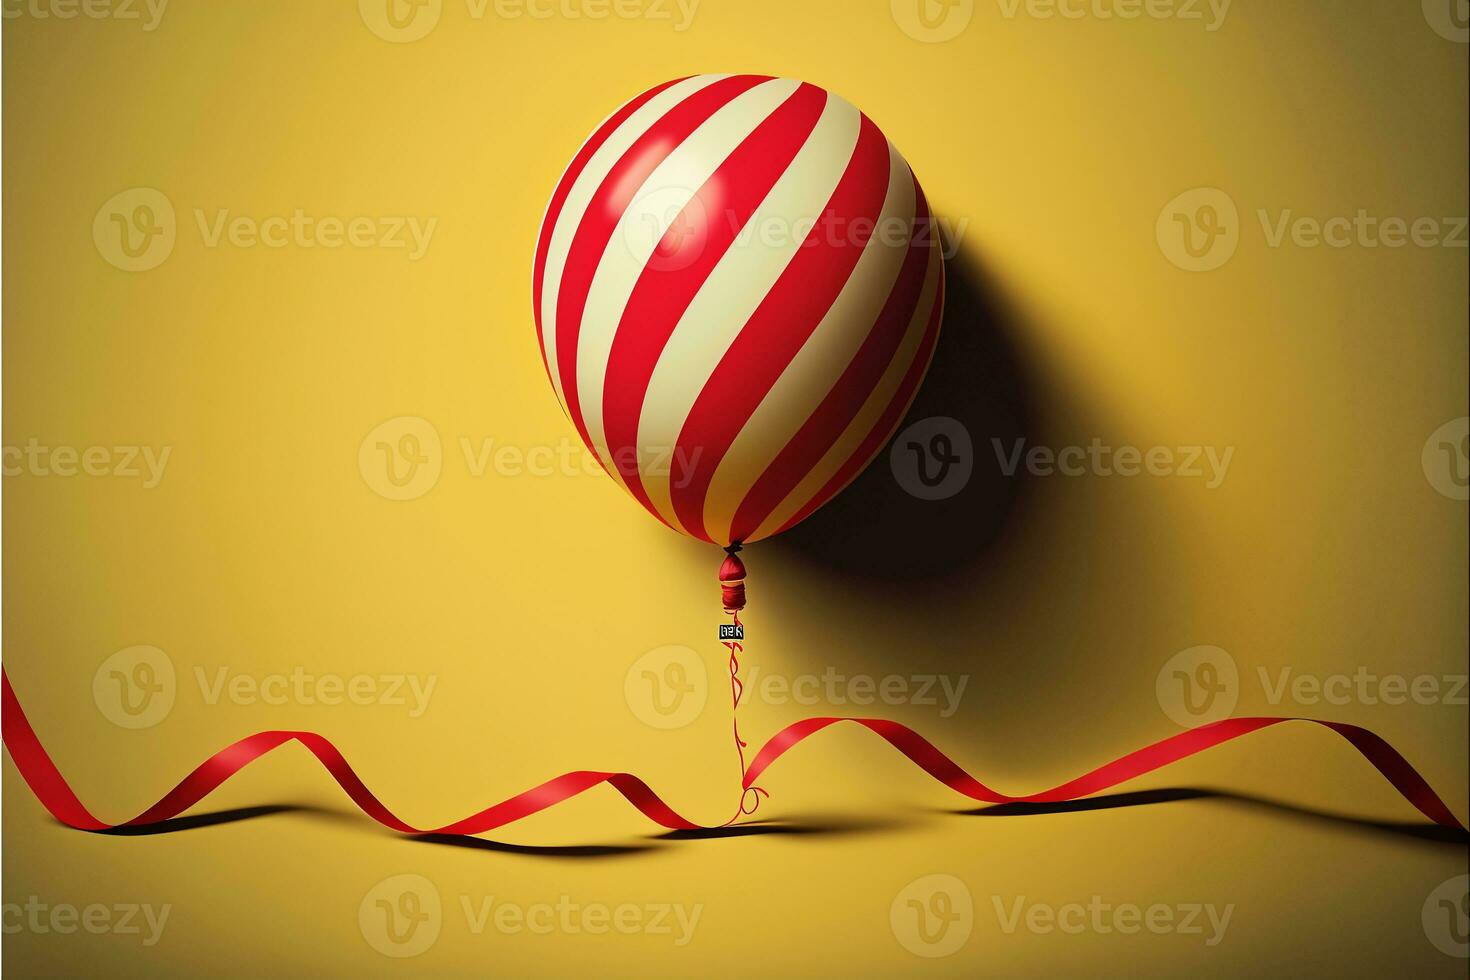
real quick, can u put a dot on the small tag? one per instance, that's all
(730, 631)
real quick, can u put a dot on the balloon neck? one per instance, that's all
(732, 579)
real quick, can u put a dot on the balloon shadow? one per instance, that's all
(877, 533)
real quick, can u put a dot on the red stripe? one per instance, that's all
(564, 189)
(781, 324)
(841, 405)
(889, 420)
(695, 243)
(606, 209)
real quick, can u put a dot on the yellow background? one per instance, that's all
(265, 548)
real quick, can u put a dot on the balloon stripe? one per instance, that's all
(560, 235)
(709, 225)
(722, 344)
(606, 210)
(849, 443)
(842, 403)
(723, 307)
(660, 202)
(564, 190)
(781, 324)
(883, 429)
(816, 366)
(51, 788)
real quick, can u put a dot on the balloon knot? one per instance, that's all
(732, 580)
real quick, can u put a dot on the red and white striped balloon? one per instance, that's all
(737, 292)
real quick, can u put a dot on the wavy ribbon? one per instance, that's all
(750, 794)
(41, 774)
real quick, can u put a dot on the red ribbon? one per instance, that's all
(41, 774)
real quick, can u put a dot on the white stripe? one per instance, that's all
(738, 285)
(661, 198)
(580, 197)
(819, 363)
(868, 416)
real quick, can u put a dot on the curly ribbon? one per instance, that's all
(41, 774)
(750, 795)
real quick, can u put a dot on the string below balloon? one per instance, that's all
(732, 590)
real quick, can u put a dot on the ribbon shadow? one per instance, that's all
(797, 827)
(553, 851)
(196, 820)
(1421, 831)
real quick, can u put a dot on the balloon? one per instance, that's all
(737, 289)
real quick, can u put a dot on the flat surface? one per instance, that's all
(266, 546)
